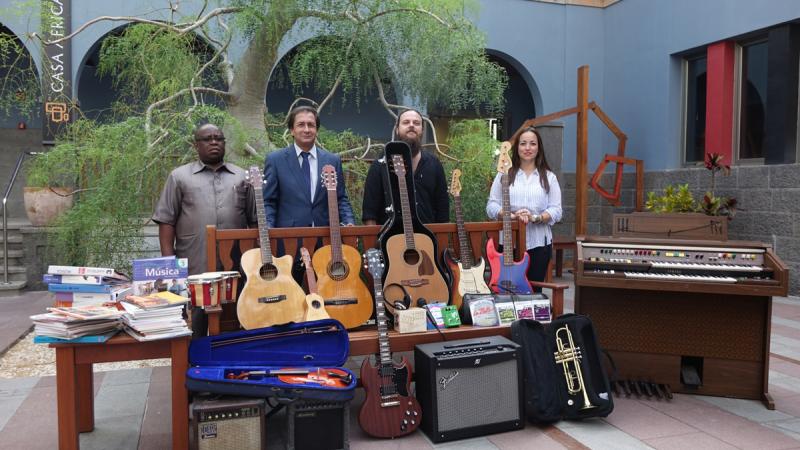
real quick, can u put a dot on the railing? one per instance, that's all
(5, 212)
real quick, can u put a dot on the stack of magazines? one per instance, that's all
(75, 322)
(157, 316)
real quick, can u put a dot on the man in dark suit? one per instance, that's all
(293, 191)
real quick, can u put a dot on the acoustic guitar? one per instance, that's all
(270, 296)
(388, 410)
(347, 298)
(508, 276)
(467, 274)
(315, 305)
(411, 255)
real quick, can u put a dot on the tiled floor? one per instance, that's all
(133, 411)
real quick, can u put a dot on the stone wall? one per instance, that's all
(768, 196)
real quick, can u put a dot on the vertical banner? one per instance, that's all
(56, 22)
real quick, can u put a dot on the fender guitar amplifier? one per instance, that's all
(470, 387)
(228, 423)
(318, 425)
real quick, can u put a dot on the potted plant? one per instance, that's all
(677, 213)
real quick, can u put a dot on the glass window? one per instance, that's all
(753, 100)
(695, 109)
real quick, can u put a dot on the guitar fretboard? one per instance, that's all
(405, 207)
(263, 233)
(336, 232)
(508, 251)
(463, 241)
(380, 318)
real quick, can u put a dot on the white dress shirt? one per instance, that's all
(313, 163)
(527, 192)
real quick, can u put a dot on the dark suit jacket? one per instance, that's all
(286, 202)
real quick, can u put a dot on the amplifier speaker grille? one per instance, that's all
(477, 396)
(228, 423)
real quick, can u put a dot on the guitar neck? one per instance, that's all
(311, 277)
(508, 251)
(336, 232)
(380, 318)
(263, 230)
(463, 241)
(405, 211)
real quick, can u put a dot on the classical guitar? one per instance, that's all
(508, 276)
(411, 256)
(270, 296)
(467, 274)
(347, 298)
(388, 410)
(315, 305)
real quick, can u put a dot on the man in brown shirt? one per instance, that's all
(204, 192)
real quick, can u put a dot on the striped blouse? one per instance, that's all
(527, 192)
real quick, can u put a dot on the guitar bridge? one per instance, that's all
(415, 282)
(390, 404)
(341, 301)
(272, 299)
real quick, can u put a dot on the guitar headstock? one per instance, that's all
(503, 160)
(305, 256)
(328, 174)
(374, 263)
(399, 165)
(455, 183)
(254, 177)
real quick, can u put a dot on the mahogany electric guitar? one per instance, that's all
(388, 410)
(270, 296)
(508, 276)
(315, 305)
(467, 275)
(411, 255)
(347, 298)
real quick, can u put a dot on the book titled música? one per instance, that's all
(166, 273)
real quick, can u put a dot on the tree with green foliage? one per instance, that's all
(429, 49)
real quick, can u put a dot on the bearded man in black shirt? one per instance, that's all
(433, 204)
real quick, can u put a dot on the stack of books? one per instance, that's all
(76, 286)
(72, 323)
(156, 316)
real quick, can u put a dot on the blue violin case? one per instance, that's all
(256, 363)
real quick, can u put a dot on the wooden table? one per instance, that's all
(561, 243)
(365, 342)
(74, 382)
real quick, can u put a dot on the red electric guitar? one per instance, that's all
(508, 276)
(388, 410)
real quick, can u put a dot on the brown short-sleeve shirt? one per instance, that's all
(195, 196)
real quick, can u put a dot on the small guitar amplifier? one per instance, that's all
(318, 425)
(228, 423)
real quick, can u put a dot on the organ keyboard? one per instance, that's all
(694, 315)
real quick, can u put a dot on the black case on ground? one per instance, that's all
(547, 398)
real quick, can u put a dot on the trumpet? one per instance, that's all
(568, 354)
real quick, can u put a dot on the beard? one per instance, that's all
(414, 144)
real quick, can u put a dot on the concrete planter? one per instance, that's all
(44, 204)
(670, 226)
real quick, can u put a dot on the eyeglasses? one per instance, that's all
(211, 138)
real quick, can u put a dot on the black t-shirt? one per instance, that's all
(430, 186)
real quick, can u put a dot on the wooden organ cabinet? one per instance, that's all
(694, 315)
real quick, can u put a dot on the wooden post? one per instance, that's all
(639, 185)
(582, 144)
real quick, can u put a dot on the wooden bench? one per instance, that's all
(560, 243)
(223, 253)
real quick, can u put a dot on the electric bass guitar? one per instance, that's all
(315, 305)
(270, 296)
(508, 276)
(411, 256)
(467, 275)
(388, 410)
(347, 298)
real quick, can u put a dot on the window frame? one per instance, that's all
(738, 79)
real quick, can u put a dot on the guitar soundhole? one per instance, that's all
(316, 304)
(338, 270)
(411, 257)
(268, 272)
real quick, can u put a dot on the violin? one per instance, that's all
(322, 376)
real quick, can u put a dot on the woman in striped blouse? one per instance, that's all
(535, 199)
